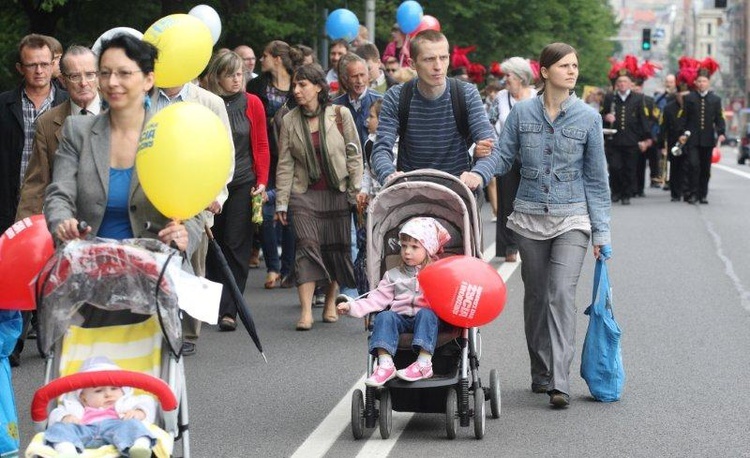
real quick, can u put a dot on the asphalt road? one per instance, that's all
(680, 275)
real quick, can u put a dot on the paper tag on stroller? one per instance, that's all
(198, 297)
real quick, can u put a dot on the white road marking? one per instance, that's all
(324, 436)
(732, 170)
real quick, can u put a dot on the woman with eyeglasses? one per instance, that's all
(233, 227)
(94, 179)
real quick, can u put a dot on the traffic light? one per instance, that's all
(646, 40)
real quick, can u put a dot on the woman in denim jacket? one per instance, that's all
(562, 201)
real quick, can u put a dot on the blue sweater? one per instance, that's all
(432, 136)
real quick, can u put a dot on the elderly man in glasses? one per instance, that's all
(19, 110)
(79, 71)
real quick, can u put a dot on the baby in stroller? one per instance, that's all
(102, 415)
(402, 305)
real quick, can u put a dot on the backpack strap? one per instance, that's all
(460, 114)
(404, 103)
(458, 104)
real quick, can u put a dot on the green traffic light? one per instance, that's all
(646, 46)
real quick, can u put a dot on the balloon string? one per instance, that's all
(382, 286)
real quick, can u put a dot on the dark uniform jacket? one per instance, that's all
(632, 118)
(11, 148)
(672, 125)
(704, 118)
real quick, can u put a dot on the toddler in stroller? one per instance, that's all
(92, 417)
(421, 240)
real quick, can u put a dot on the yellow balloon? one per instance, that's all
(183, 159)
(184, 43)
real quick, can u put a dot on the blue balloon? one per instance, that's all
(343, 24)
(409, 15)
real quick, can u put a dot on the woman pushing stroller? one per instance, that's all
(421, 240)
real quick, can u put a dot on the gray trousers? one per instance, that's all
(550, 270)
(191, 327)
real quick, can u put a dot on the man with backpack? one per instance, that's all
(437, 119)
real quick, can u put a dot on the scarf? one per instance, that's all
(311, 161)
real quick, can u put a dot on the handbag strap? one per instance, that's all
(600, 274)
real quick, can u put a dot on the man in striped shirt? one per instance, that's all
(432, 136)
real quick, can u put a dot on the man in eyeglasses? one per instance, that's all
(248, 60)
(78, 67)
(19, 110)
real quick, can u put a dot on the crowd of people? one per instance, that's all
(314, 145)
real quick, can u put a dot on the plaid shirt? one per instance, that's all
(30, 115)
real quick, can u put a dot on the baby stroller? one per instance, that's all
(456, 360)
(116, 299)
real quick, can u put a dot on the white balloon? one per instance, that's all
(111, 33)
(210, 17)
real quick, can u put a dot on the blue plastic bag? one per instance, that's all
(601, 358)
(10, 329)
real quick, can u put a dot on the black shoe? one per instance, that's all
(675, 199)
(558, 399)
(665, 187)
(703, 200)
(188, 348)
(626, 200)
(655, 185)
(615, 197)
(536, 388)
(692, 200)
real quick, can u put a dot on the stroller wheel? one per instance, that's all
(358, 416)
(385, 418)
(479, 414)
(495, 400)
(451, 417)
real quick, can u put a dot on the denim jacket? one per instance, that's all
(563, 167)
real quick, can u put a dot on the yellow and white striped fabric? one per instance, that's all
(134, 347)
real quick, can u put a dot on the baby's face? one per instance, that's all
(101, 396)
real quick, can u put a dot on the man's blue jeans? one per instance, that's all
(273, 231)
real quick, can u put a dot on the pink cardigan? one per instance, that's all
(404, 297)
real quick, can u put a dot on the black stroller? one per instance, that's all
(456, 382)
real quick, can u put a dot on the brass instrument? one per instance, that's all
(677, 148)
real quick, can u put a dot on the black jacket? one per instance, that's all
(704, 118)
(11, 148)
(672, 125)
(632, 119)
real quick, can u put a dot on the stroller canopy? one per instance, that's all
(132, 275)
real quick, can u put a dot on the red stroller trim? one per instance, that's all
(73, 382)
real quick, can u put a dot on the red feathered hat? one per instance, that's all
(707, 67)
(460, 58)
(628, 67)
(476, 73)
(687, 74)
(646, 71)
(495, 69)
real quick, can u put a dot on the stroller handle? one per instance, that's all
(73, 382)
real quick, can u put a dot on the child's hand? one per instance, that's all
(71, 419)
(136, 414)
(343, 308)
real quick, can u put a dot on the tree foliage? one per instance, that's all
(499, 28)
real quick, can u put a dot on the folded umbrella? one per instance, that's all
(242, 308)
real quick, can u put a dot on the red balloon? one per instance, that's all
(428, 23)
(715, 155)
(463, 291)
(24, 249)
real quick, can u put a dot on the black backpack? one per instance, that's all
(458, 102)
